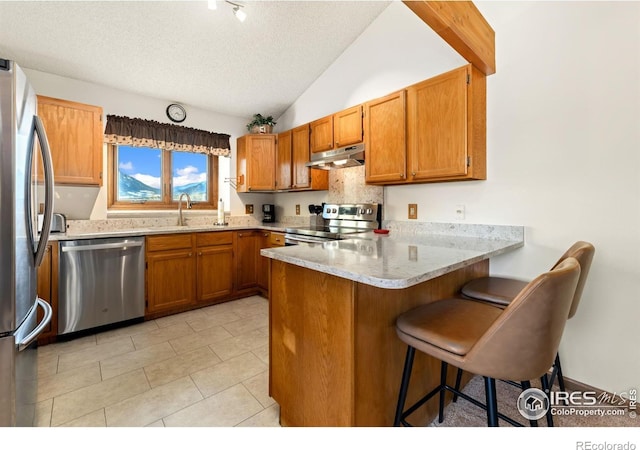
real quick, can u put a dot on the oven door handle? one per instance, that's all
(293, 240)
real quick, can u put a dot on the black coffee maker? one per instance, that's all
(268, 213)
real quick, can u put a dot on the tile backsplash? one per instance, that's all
(348, 186)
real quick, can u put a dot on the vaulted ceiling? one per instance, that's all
(182, 51)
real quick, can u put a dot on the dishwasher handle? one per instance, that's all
(116, 245)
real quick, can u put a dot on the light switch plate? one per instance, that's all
(248, 209)
(413, 211)
(297, 210)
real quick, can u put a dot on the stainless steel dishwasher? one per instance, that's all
(101, 282)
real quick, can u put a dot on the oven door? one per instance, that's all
(295, 239)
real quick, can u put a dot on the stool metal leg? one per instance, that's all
(458, 381)
(526, 385)
(560, 377)
(492, 401)
(547, 390)
(443, 383)
(404, 385)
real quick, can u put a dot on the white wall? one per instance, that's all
(113, 101)
(563, 133)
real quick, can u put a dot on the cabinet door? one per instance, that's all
(347, 126)
(300, 156)
(241, 164)
(247, 260)
(214, 272)
(75, 135)
(261, 162)
(322, 134)
(170, 279)
(385, 138)
(283, 167)
(263, 262)
(48, 290)
(437, 126)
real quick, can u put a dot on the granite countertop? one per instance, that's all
(398, 260)
(145, 231)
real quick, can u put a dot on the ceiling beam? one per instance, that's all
(463, 27)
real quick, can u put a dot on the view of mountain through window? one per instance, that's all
(140, 174)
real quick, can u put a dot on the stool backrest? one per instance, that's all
(523, 341)
(583, 252)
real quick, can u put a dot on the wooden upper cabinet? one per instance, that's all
(347, 127)
(300, 157)
(385, 138)
(447, 127)
(256, 163)
(283, 163)
(322, 134)
(75, 135)
(337, 130)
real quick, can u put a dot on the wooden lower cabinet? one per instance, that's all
(264, 241)
(247, 247)
(170, 280)
(335, 358)
(48, 291)
(215, 266)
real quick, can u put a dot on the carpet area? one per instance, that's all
(465, 414)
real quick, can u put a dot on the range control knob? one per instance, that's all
(334, 210)
(362, 211)
(369, 211)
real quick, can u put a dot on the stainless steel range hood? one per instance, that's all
(339, 158)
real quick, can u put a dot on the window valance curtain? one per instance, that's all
(149, 133)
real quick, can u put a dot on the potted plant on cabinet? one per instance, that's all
(261, 124)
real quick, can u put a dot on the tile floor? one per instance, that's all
(207, 367)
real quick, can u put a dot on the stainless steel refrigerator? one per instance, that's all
(24, 158)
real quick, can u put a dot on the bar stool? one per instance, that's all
(515, 343)
(500, 291)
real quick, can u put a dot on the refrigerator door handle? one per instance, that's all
(38, 129)
(48, 313)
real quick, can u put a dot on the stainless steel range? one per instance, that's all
(341, 221)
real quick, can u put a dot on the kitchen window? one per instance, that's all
(152, 164)
(151, 178)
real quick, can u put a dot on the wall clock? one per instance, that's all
(176, 112)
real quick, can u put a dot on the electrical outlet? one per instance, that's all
(297, 210)
(460, 212)
(413, 211)
(248, 209)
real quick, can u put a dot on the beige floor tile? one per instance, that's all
(153, 405)
(227, 408)
(247, 324)
(47, 365)
(73, 345)
(78, 403)
(94, 419)
(212, 320)
(252, 309)
(43, 413)
(127, 362)
(259, 388)
(262, 353)
(228, 373)
(156, 424)
(130, 330)
(199, 339)
(171, 369)
(86, 356)
(269, 417)
(238, 345)
(163, 334)
(58, 384)
(176, 319)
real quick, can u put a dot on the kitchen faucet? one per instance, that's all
(180, 219)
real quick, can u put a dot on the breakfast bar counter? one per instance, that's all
(335, 359)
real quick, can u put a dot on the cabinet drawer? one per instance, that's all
(168, 242)
(214, 238)
(277, 239)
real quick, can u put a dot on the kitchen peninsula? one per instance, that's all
(335, 359)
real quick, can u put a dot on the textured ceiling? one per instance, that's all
(181, 51)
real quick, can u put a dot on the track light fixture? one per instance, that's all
(237, 11)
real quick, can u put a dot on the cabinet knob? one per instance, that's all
(413, 174)
(190, 254)
(249, 188)
(337, 143)
(266, 235)
(199, 253)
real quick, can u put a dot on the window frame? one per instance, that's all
(167, 201)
